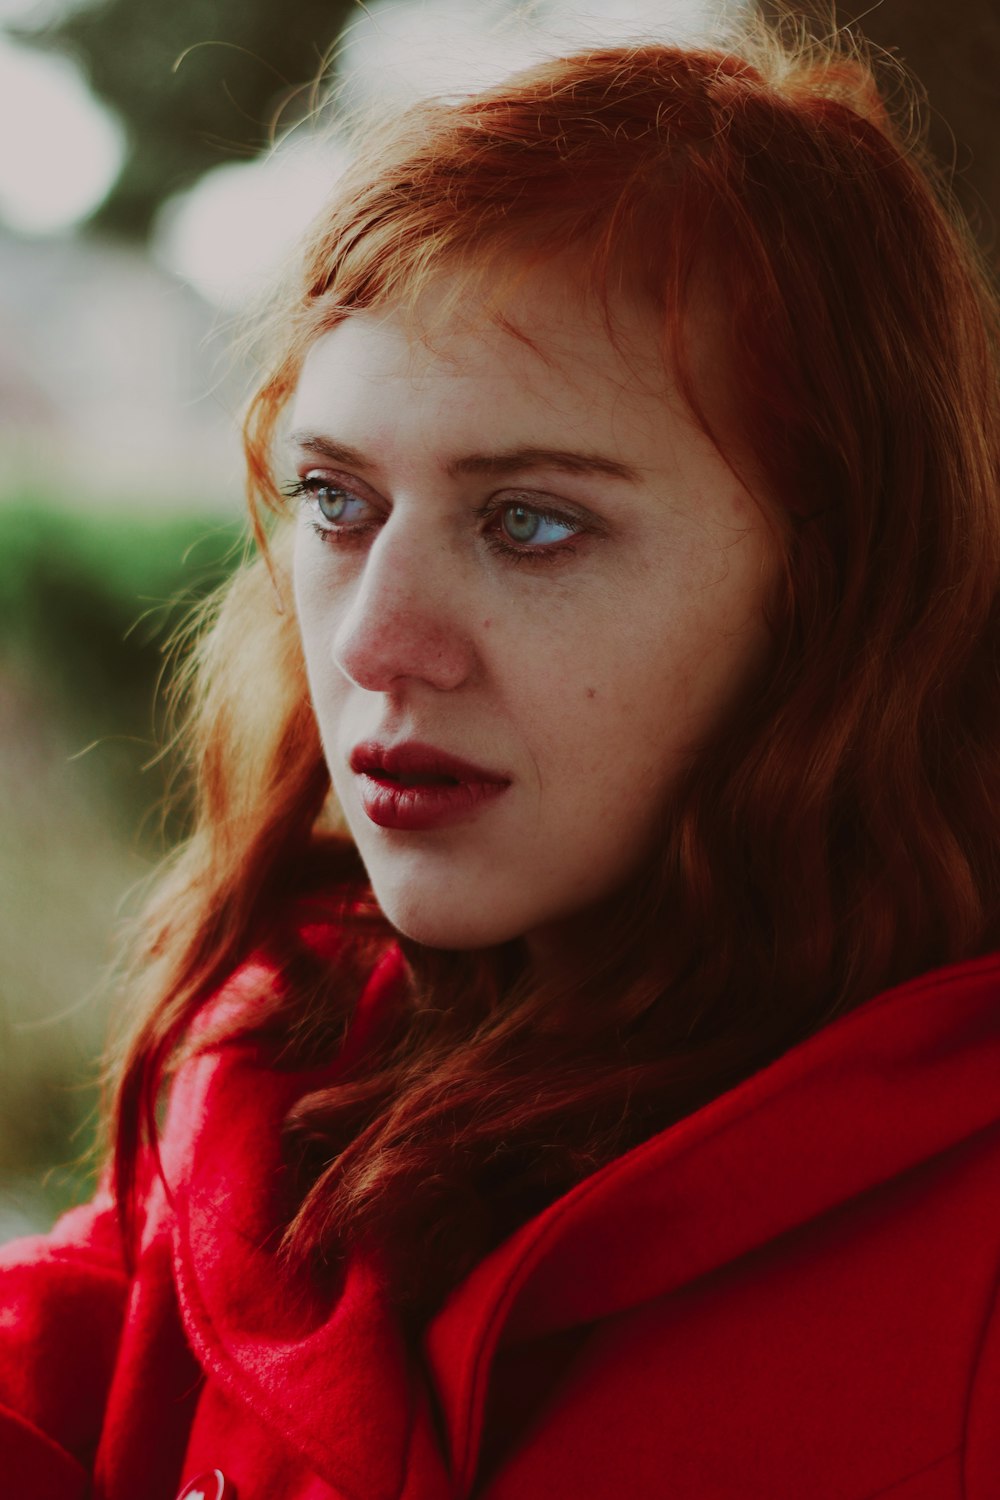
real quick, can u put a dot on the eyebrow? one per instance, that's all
(503, 461)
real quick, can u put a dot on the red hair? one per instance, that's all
(838, 835)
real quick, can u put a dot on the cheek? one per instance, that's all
(584, 714)
(634, 704)
(305, 587)
(316, 613)
(317, 599)
(716, 665)
(555, 684)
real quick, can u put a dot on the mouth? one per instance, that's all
(414, 788)
(415, 765)
(393, 778)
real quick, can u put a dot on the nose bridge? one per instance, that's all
(404, 619)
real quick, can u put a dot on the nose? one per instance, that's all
(405, 619)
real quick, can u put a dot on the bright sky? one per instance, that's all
(61, 148)
(232, 228)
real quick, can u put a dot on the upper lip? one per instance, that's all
(415, 759)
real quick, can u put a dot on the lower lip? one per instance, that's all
(393, 805)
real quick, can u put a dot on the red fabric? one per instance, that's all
(792, 1293)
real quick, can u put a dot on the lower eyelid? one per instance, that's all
(546, 556)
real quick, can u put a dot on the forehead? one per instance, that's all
(544, 354)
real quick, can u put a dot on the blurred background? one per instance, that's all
(156, 164)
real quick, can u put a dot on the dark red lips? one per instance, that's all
(414, 786)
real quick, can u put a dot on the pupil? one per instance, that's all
(521, 523)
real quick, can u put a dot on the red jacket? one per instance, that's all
(790, 1295)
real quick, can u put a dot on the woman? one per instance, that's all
(599, 1097)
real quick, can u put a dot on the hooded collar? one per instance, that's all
(899, 1080)
(331, 1375)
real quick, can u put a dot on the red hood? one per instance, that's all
(905, 1077)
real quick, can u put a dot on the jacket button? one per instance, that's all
(212, 1485)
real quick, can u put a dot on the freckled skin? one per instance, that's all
(588, 679)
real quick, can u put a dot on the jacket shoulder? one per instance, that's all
(83, 1340)
(63, 1299)
(982, 1445)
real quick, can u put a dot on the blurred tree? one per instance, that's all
(201, 81)
(88, 606)
(89, 600)
(953, 50)
(197, 83)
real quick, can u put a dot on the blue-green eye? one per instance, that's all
(333, 503)
(525, 526)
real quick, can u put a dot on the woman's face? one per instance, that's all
(519, 552)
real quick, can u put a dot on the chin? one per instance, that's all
(459, 929)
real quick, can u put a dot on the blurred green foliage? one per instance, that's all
(88, 604)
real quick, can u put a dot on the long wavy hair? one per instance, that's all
(840, 832)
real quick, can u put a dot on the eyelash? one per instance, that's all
(329, 532)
